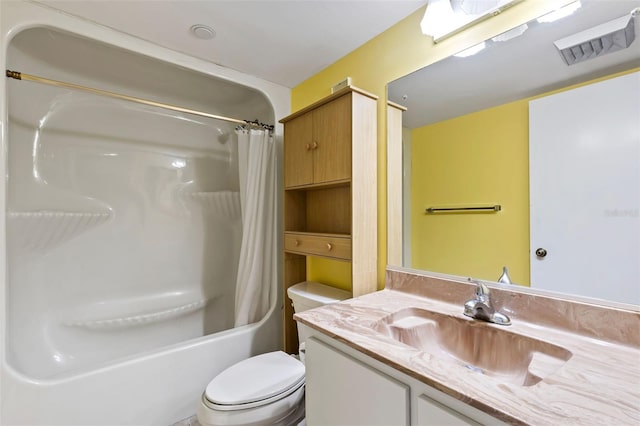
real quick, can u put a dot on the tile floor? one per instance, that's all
(189, 421)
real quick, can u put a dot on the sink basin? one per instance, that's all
(475, 345)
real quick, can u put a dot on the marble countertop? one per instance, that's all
(599, 384)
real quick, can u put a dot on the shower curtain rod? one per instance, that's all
(28, 77)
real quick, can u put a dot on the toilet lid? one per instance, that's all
(254, 379)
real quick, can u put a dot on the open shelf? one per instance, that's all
(226, 204)
(318, 210)
(134, 319)
(44, 230)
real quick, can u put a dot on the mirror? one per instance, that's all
(483, 161)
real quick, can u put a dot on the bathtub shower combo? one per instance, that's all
(124, 234)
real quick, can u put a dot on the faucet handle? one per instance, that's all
(482, 291)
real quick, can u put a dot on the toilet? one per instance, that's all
(266, 389)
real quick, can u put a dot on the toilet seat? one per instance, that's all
(256, 381)
(286, 411)
(265, 389)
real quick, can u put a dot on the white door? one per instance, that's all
(584, 147)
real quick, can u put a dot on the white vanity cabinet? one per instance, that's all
(347, 387)
(428, 411)
(343, 391)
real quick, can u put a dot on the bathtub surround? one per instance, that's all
(104, 203)
(123, 226)
(596, 382)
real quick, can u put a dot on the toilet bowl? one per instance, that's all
(266, 389)
(261, 390)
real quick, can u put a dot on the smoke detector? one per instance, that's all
(605, 38)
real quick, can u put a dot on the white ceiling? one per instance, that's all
(282, 41)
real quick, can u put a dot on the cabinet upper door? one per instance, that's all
(332, 140)
(298, 153)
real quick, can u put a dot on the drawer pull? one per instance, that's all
(296, 243)
(315, 145)
(308, 146)
(329, 246)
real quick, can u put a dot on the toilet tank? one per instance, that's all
(308, 295)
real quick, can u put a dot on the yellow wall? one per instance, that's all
(477, 159)
(396, 52)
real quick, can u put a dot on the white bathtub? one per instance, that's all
(125, 344)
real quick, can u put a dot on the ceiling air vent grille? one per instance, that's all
(597, 41)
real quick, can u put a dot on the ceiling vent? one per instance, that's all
(605, 38)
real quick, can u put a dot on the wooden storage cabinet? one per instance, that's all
(318, 145)
(330, 187)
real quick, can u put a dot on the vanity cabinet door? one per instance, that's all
(431, 412)
(342, 391)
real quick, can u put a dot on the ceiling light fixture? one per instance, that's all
(444, 18)
(202, 31)
(560, 13)
(617, 34)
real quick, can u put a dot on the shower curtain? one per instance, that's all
(257, 263)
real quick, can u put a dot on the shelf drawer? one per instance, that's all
(337, 247)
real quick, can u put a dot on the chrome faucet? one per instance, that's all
(481, 308)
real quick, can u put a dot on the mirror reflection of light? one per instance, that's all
(439, 19)
(179, 164)
(445, 17)
(560, 13)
